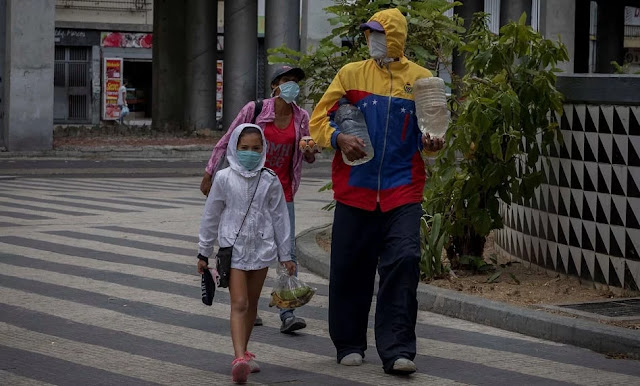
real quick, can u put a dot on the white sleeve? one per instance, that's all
(280, 215)
(211, 218)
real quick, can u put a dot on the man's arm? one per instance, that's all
(325, 132)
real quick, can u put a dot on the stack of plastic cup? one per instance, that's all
(431, 106)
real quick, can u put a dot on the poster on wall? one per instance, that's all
(111, 82)
(219, 90)
(632, 16)
(126, 40)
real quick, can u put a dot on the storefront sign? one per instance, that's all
(631, 16)
(76, 37)
(126, 40)
(219, 90)
(112, 80)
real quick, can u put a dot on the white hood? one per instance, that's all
(232, 151)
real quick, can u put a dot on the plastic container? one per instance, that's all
(431, 106)
(350, 120)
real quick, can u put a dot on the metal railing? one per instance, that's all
(632, 30)
(107, 5)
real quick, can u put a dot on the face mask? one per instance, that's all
(249, 159)
(289, 91)
(377, 45)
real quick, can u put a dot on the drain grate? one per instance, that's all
(626, 308)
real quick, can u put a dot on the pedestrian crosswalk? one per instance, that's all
(98, 286)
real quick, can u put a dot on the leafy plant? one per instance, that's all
(431, 40)
(330, 206)
(433, 239)
(504, 124)
(624, 69)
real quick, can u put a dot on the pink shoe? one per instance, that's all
(250, 358)
(240, 370)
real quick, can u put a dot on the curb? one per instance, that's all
(146, 152)
(539, 324)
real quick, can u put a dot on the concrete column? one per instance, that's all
(3, 24)
(240, 56)
(168, 65)
(282, 26)
(581, 41)
(28, 80)
(610, 35)
(511, 10)
(200, 68)
(96, 86)
(557, 22)
(465, 11)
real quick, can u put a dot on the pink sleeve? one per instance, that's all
(244, 116)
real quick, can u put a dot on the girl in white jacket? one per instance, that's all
(257, 240)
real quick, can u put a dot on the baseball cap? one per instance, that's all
(284, 70)
(372, 25)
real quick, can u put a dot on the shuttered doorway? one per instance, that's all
(72, 85)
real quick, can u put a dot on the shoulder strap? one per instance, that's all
(249, 208)
(257, 109)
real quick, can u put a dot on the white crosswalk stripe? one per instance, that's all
(117, 274)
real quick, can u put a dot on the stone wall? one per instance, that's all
(585, 218)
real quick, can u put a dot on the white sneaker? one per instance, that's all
(353, 359)
(404, 366)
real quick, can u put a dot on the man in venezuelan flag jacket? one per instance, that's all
(377, 217)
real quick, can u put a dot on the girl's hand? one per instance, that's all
(290, 266)
(202, 266)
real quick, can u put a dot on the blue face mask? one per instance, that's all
(249, 158)
(289, 91)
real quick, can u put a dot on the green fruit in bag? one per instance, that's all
(296, 293)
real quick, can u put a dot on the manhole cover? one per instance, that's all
(615, 309)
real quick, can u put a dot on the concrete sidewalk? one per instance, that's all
(537, 323)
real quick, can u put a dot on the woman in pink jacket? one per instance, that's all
(284, 123)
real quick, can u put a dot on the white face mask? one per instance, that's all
(377, 45)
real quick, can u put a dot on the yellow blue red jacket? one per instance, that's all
(384, 93)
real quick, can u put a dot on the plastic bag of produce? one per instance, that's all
(290, 292)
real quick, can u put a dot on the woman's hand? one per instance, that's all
(202, 265)
(310, 156)
(205, 185)
(290, 266)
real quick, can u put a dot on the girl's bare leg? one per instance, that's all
(238, 292)
(254, 288)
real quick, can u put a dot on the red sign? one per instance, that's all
(111, 82)
(126, 40)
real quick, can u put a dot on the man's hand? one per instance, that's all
(205, 185)
(351, 146)
(202, 265)
(290, 266)
(432, 143)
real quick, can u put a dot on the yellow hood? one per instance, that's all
(395, 29)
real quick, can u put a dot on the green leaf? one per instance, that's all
(494, 277)
(514, 278)
(496, 145)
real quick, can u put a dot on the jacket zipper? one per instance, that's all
(386, 129)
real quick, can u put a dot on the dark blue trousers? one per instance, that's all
(361, 242)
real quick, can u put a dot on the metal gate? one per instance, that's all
(72, 84)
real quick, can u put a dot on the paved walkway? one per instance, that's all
(98, 286)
